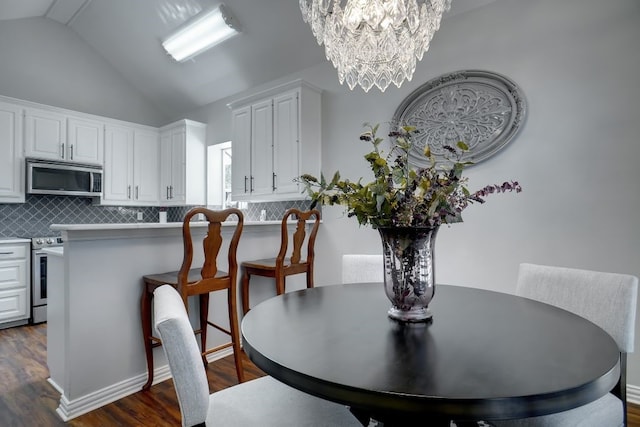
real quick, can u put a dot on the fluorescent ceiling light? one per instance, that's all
(204, 31)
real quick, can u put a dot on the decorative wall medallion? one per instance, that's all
(481, 108)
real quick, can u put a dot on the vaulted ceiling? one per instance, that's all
(127, 33)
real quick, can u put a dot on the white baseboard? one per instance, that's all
(69, 409)
(633, 394)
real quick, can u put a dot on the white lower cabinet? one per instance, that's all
(14, 282)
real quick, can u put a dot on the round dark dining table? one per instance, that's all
(485, 356)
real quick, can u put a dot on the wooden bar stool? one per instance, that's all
(199, 281)
(281, 266)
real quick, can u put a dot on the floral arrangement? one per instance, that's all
(402, 196)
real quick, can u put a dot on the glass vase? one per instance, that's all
(409, 271)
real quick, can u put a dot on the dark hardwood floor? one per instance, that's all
(27, 399)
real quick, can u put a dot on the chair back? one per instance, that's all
(607, 299)
(299, 236)
(359, 268)
(185, 361)
(210, 277)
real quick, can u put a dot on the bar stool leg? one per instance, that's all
(310, 276)
(235, 331)
(245, 291)
(204, 316)
(280, 283)
(145, 313)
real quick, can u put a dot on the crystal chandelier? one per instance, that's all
(374, 42)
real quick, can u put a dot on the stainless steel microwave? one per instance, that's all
(66, 179)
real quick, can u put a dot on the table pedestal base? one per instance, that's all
(366, 420)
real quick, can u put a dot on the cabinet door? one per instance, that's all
(165, 165)
(173, 166)
(145, 166)
(85, 141)
(14, 292)
(241, 152)
(45, 134)
(118, 164)
(262, 148)
(11, 161)
(178, 188)
(286, 145)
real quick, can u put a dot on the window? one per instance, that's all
(219, 176)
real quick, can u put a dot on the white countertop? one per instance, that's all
(14, 240)
(148, 225)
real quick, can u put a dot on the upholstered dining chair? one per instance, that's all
(299, 259)
(263, 402)
(361, 268)
(200, 281)
(606, 299)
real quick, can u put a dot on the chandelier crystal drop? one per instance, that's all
(374, 42)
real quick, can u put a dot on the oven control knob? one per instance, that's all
(49, 241)
(38, 241)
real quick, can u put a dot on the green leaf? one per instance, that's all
(463, 146)
(334, 180)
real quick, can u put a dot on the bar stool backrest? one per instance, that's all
(212, 278)
(299, 236)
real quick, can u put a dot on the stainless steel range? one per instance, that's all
(39, 276)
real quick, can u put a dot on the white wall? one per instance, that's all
(576, 156)
(46, 62)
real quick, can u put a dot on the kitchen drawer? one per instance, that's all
(13, 305)
(13, 252)
(13, 274)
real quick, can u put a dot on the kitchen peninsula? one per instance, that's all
(95, 349)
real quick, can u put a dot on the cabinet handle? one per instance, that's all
(137, 192)
(245, 183)
(62, 150)
(71, 151)
(6, 253)
(273, 182)
(171, 191)
(129, 192)
(167, 192)
(252, 180)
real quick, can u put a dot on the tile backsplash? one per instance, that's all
(34, 217)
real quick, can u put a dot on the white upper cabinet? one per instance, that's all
(146, 160)
(276, 138)
(262, 148)
(85, 140)
(45, 134)
(183, 163)
(130, 166)
(286, 153)
(12, 161)
(143, 165)
(56, 136)
(241, 153)
(118, 171)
